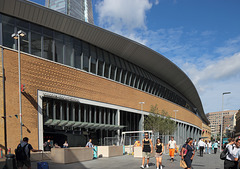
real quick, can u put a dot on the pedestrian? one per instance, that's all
(171, 147)
(215, 147)
(209, 146)
(159, 147)
(147, 148)
(206, 147)
(188, 156)
(89, 143)
(48, 146)
(23, 153)
(231, 161)
(65, 145)
(195, 145)
(201, 145)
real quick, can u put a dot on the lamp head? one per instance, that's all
(21, 33)
(14, 36)
(226, 93)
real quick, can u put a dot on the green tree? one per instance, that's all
(159, 121)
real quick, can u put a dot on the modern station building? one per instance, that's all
(82, 81)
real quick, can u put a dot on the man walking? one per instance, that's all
(147, 147)
(201, 145)
(232, 156)
(172, 146)
(23, 154)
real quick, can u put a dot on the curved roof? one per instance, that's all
(130, 50)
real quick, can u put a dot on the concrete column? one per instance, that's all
(73, 112)
(113, 117)
(61, 111)
(47, 108)
(95, 115)
(104, 115)
(100, 116)
(54, 110)
(118, 118)
(67, 111)
(109, 116)
(79, 112)
(141, 126)
(90, 114)
(85, 113)
(178, 139)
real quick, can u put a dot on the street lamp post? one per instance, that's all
(17, 36)
(222, 119)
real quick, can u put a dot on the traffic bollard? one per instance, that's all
(10, 161)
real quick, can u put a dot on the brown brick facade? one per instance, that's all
(40, 74)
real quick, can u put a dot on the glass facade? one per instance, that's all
(76, 53)
(80, 9)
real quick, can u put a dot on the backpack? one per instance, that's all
(20, 153)
(224, 153)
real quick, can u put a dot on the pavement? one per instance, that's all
(208, 161)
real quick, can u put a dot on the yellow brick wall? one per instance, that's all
(39, 74)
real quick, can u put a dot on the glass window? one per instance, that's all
(113, 66)
(129, 74)
(85, 48)
(58, 47)
(124, 74)
(68, 55)
(77, 53)
(100, 61)
(93, 59)
(8, 30)
(48, 47)
(24, 26)
(132, 80)
(35, 44)
(107, 64)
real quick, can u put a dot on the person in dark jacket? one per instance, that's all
(48, 146)
(188, 157)
(27, 148)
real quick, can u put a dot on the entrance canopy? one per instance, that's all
(65, 123)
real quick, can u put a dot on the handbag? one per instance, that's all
(183, 164)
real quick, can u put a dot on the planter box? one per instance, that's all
(39, 156)
(110, 151)
(138, 152)
(71, 155)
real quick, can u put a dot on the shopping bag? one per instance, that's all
(183, 164)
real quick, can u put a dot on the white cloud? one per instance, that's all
(124, 17)
(217, 77)
(119, 14)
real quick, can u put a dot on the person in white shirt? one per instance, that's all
(231, 161)
(201, 146)
(209, 144)
(172, 146)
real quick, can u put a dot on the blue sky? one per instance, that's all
(202, 37)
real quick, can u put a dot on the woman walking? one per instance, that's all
(190, 153)
(206, 147)
(159, 147)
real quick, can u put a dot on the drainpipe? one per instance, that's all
(4, 104)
